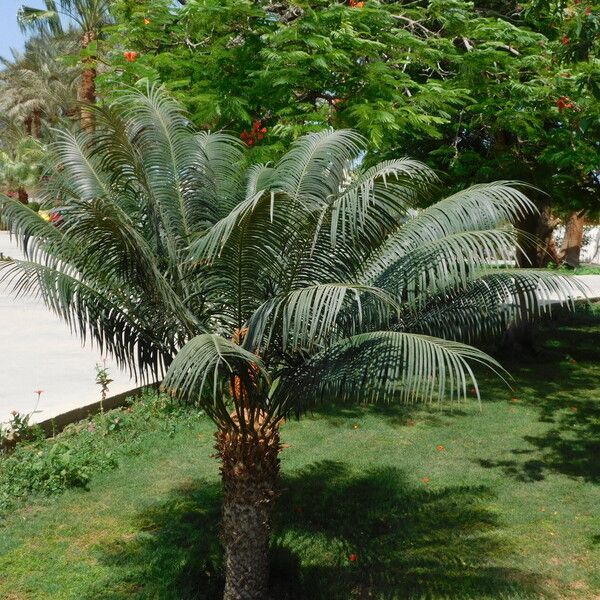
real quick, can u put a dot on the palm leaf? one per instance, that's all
(383, 366)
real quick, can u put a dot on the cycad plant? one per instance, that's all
(263, 290)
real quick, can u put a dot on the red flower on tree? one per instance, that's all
(352, 557)
(565, 40)
(130, 56)
(564, 102)
(256, 133)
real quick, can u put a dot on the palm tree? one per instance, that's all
(90, 16)
(265, 290)
(21, 158)
(37, 86)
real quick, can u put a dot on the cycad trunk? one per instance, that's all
(87, 86)
(249, 470)
(571, 246)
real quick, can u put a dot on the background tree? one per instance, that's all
(268, 289)
(38, 87)
(477, 91)
(89, 17)
(21, 160)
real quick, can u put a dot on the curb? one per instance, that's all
(56, 424)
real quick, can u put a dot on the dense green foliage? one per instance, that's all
(489, 502)
(42, 467)
(481, 92)
(317, 264)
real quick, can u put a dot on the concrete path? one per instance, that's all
(38, 352)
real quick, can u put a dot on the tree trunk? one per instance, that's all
(571, 247)
(87, 86)
(537, 245)
(36, 123)
(249, 470)
(22, 195)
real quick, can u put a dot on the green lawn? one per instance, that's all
(498, 501)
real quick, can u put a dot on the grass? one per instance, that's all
(586, 269)
(499, 501)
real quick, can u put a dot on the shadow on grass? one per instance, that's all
(397, 415)
(566, 391)
(408, 543)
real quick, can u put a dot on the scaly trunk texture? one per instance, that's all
(36, 123)
(570, 250)
(87, 86)
(249, 470)
(537, 246)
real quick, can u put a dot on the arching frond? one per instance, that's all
(307, 318)
(487, 305)
(434, 265)
(383, 366)
(375, 200)
(481, 206)
(315, 167)
(98, 315)
(203, 370)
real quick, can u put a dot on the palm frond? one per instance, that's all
(315, 167)
(487, 305)
(307, 318)
(204, 368)
(95, 314)
(383, 366)
(419, 271)
(375, 200)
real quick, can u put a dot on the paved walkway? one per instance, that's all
(38, 352)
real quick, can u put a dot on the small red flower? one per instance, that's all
(588, 11)
(440, 448)
(564, 102)
(352, 557)
(38, 392)
(565, 40)
(130, 56)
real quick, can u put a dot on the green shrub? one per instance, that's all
(34, 206)
(49, 466)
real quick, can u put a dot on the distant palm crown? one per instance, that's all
(308, 280)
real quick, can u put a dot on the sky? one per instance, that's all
(10, 34)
